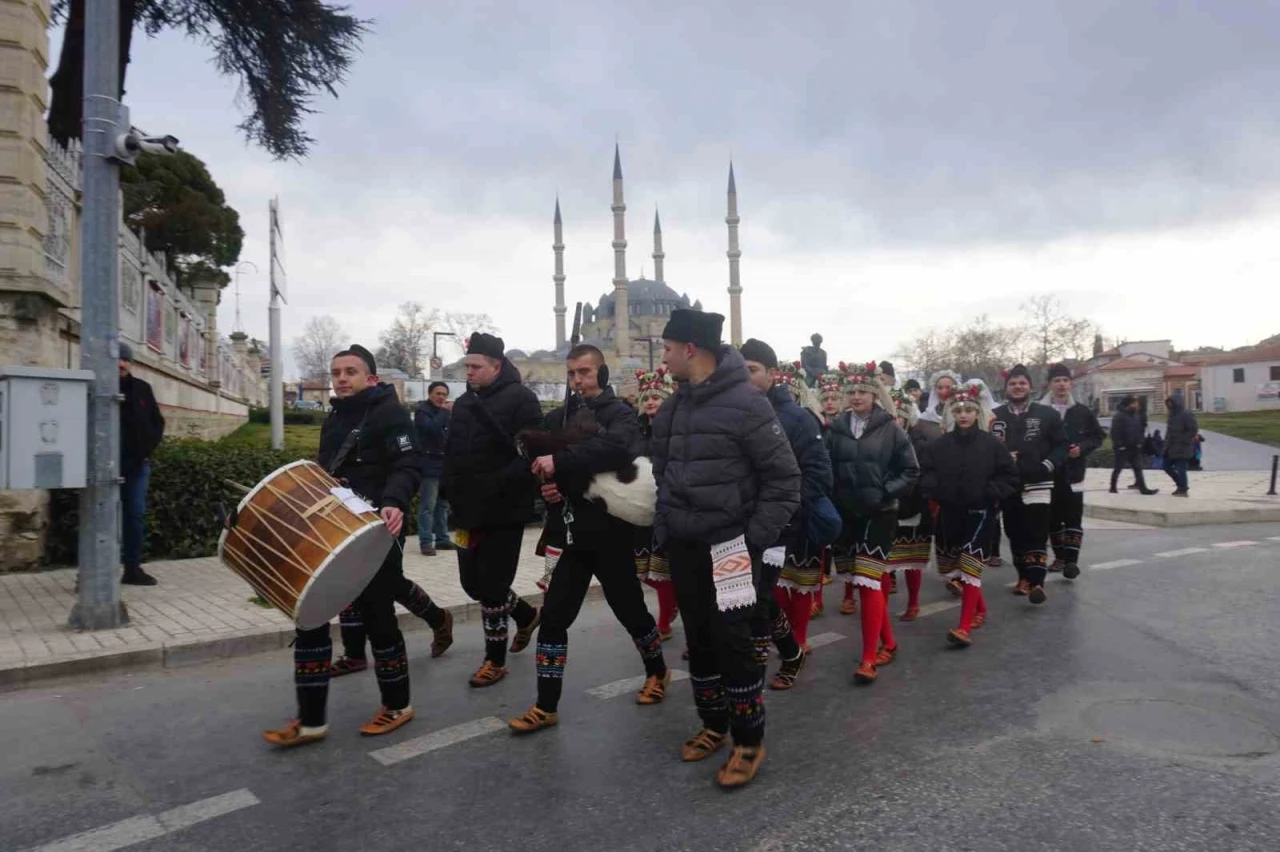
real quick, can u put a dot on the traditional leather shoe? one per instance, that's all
(742, 766)
(849, 607)
(524, 635)
(885, 656)
(959, 638)
(1021, 588)
(979, 619)
(534, 719)
(702, 745)
(488, 674)
(790, 670)
(910, 614)
(386, 721)
(654, 689)
(442, 636)
(865, 674)
(345, 665)
(291, 735)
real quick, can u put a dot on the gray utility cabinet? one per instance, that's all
(44, 427)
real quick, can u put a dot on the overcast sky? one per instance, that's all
(899, 165)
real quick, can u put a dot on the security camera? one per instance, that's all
(129, 144)
(159, 144)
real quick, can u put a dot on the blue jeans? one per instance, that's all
(1177, 470)
(133, 507)
(433, 513)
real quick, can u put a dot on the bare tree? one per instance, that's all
(463, 325)
(1051, 334)
(981, 349)
(406, 345)
(314, 348)
(927, 354)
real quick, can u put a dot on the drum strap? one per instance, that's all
(348, 444)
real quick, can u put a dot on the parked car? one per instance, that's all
(309, 405)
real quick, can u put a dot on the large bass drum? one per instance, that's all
(305, 543)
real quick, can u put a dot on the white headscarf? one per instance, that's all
(988, 398)
(934, 412)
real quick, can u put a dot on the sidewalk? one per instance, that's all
(1217, 497)
(200, 611)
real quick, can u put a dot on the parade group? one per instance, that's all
(761, 481)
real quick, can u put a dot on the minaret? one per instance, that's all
(621, 311)
(558, 248)
(735, 285)
(658, 255)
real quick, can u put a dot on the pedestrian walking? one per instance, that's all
(1126, 444)
(728, 484)
(141, 430)
(431, 419)
(1180, 444)
(1084, 435)
(491, 491)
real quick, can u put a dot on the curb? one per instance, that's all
(177, 653)
(1156, 518)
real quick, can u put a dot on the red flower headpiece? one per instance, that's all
(658, 382)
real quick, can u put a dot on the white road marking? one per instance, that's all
(1235, 543)
(824, 639)
(1115, 563)
(1186, 551)
(1274, 538)
(630, 684)
(419, 746)
(937, 607)
(142, 828)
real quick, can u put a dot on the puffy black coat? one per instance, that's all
(1036, 436)
(722, 462)
(1180, 435)
(804, 434)
(613, 449)
(1082, 429)
(874, 472)
(967, 469)
(384, 465)
(485, 480)
(1126, 430)
(141, 424)
(432, 423)
(920, 435)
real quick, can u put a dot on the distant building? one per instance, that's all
(1144, 368)
(1245, 380)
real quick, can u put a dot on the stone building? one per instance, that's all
(204, 383)
(646, 303)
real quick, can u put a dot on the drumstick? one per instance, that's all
(243, 489)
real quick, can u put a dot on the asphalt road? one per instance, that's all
(1138, 710)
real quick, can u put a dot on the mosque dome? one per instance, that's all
(644, 298)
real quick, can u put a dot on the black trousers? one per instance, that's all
(409, 595)
(486, 569)
(727, 678)
(313, 649)
(1128, 457)
(1066, 525)
(769, 624)
(1027, 525)
(609, 559)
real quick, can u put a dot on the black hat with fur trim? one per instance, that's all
(1016, 370)
(759, 351)
(486, 344)
(700, 328)
(1059, 371)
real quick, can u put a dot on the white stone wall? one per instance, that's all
(1223, 393)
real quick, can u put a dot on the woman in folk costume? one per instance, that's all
(989, 403)
(830, 400)
(941, 384)
(967, 472)
(831, 396)
(651, 562)
(914, 536)
(874, 467)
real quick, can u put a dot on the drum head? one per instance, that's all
(343, 576)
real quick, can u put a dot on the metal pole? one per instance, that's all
(435, 338)
(1275, 463)
(98, 605)
(276, 400)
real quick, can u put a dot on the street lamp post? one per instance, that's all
(435, 339)
(255, 272)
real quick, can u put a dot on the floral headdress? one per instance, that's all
(789, 375)
(657, 383)
(865, 377)
(830, 383)
(971, 394)
(904, 407)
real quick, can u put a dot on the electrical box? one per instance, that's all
(44, 427)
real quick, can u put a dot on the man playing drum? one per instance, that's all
(368, 441)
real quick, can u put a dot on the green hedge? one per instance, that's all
(292, 416)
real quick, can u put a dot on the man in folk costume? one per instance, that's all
(651, 562)
(728, 484)
(595, 543)
(1033, 434)
(1084, 435)
(874, 468)
(792, 568)
(968, 472)
(914, 537)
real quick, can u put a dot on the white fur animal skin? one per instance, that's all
(632, 501)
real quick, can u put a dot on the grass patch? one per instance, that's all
(1260, 426)
(299, 441)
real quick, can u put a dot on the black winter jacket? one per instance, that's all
(1082, 429)
(1036, 436)
(615, 448)
(141, 424)
(874, 472)
(486, 481)
(1126, 430)
(432, 423)
(921, 435)
(1180, 436)
(804, 434)
(384, 465)
(722, 462)
(967, 469)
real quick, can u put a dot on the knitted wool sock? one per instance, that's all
(913, 588)
(872, 615)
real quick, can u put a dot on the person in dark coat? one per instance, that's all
(431, 419)
(783, 614)
(593, 542)
(968, 473)
(491, 490)
(141, 430)
(1126, 444)
(1180, 444)
(1034, 436)
(728, 485)
(874, 468)
(1084, 435)
(368, 442)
